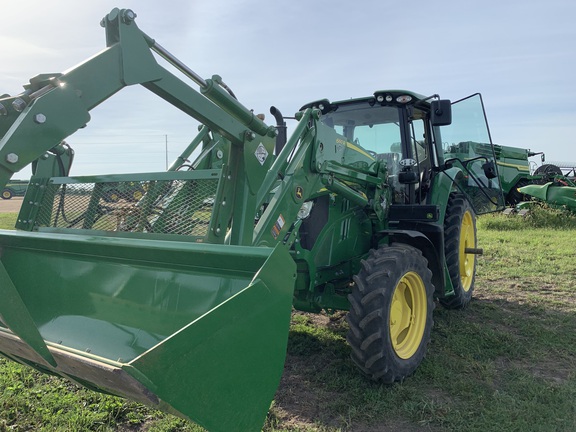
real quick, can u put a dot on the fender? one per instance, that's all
(429, 239)
(442, 186)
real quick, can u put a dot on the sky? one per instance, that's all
(521, 56)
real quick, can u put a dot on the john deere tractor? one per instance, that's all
(181, 297)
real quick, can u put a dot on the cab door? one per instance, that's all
(467, 144)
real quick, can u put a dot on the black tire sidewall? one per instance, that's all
(379, 277)
(457, 207)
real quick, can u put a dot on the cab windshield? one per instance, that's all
(374, 128)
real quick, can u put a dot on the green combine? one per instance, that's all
(180, 297)
(548, 183)
(513, 166)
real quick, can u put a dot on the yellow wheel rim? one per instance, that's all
(408, 315)
(467, 261)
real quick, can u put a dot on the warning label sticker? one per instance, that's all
(261, 154)
(277, 226)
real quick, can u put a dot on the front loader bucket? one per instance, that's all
(198, 330)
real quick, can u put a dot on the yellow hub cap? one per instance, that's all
(408, 315)
(467, 240)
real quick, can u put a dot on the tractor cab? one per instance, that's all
(409, 132)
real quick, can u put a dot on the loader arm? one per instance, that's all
(159, 296)
(54, 106)
(322, 161)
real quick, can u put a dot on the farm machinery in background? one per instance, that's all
(554, 184)
(551, 183)
(14, 188)
(175, 289)
(558, 191)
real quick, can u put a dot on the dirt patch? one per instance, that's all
(303, 402)
(11, 206)
(322, 390)
(300, 403)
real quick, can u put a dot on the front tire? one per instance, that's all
(390, 314)
(459, 234)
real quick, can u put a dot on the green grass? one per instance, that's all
(539, 215)
(8, 220)
(506, 363)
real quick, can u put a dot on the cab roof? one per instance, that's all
(383, 97)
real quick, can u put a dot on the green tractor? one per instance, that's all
(14, 188)
(182, 298)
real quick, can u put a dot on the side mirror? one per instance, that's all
(407, 177)
(441, 112)
(489, 170)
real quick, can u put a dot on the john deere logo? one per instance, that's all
(299, 192)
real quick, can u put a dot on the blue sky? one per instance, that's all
(520, 55)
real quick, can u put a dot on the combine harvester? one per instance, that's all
(513, 166)
(177, 291)
(552, 182)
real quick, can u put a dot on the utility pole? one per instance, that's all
(166, 145)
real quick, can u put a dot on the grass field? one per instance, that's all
(507, 363)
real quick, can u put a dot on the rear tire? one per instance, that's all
(390, 314)
(459, 234)
(7, 194)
